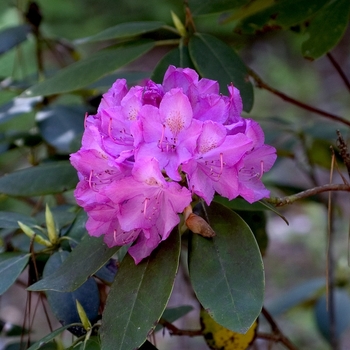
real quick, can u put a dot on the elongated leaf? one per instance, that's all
(80, 74)
(13, 36)
(60, 125)
(341, 313)
(326, 28)
(178, 57)
(10, 219)
(44, 179)
(202, 7)
(241, 204)
(88, 257)
(16, 107)
(215, 60)
(227, 271)
(123, 30)
(139, 295)
(174, 313)
(11, 266)
(63, 304)
(295, 296)
(51, 336)
(277, 16)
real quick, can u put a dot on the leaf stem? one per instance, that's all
(280, 201)
(339, 70)
(277, 335)
(167, 42)
(176, 331)
(261, 84)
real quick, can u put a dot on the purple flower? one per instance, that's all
(150, 148)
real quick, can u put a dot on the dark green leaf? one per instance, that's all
(16, 107)
(11, 266)
(13, 36)
(241, 204)
(11, 330)
(280, 15)
(10, 219)
(341, 311)
(77, 230)
(93, 343)
(226, 271)
(326, 28)
(256, 220)
(215, 60)
(88, 257)
(123, 30)
(139, 295)
(173, 314)
(147, 346)
(82, 73)
(295, 296)
(51, 336)
(44, 179)
(63, 305)
(202, 7)
(178, 57)
(60, 125)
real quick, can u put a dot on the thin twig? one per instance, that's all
(176, 331)
(339, 70)
(280, 201)
(261, 84)
(277, 332)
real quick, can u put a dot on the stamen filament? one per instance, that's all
(261, 169)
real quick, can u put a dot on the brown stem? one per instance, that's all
(278, 202)
(261, 84)
(176, 331)
(277, 332)
(339, 70)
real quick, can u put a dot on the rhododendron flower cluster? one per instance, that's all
(150, 149)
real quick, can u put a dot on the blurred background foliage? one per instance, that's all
(295, 256)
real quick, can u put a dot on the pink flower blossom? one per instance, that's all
(150, 148)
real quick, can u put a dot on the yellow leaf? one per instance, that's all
(218, 337)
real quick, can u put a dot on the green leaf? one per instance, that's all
(139, 295)
(60, 125)
(87, 258)
(241, 204)
(227, 271)
(13, 36)
(202, 7)
(280, 15)
(178, 57)
(51, 336)
(93, 343)
(63, 305)
(17, 107)
(215, 60)
(341, 313)
(122, 31)
(11, 266)
(147, 346)
(256, 220)
(326, 29)
(295, 296)
(47, 178)
(10, 219)
(82, 73)
(174, 313)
